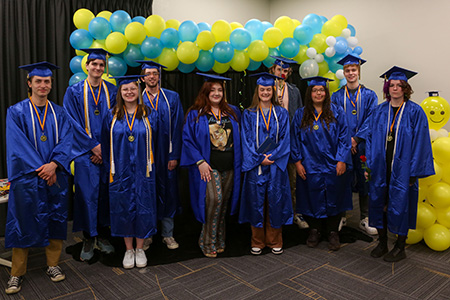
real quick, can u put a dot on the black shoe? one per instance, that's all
(396, 254)
(380, 250)
(313, 238)
(55, 274)
(333, 241)
(14, 285)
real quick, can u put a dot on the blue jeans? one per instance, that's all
(167, 225)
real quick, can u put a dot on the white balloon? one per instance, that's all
(311, 52)
(319, 58)
(331, 40)
(442, 133)
(340, 74)
(330, 52)
(309, 68)
(346, 33)
(433, 135)
(352, 41)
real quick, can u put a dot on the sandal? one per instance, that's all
(211, 255)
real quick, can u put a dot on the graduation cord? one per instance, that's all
(257, 134)
(389, 129)
(112, 170)
(31, 105)
(358, 103)
(86, 103)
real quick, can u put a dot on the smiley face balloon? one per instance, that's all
(437, 110)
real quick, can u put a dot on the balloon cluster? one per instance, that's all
(317, 43)
(433, 212)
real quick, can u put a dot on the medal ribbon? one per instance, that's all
(155, 107)
(132, 121)
(42, 123)
(99, 91)
(393, 120)
(267, 122)
(219, 119)
(357, 96)
(282, 91)
(318, 116)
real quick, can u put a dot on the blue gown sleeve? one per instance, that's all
(250, 158)
(343, 152)
(191, 153)
(62, 151)
(422, 155)
(281, 153)
(177, 125)
(296, 154)
(372, 102)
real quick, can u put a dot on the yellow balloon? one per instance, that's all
(301, 55)
(98, 44)
(154, 26)
(240, 61)
(273, 37)
(323, 68)
(341, 21)
(109, 79)
(105, 14)
(439, 195)
(187, 52)
(168, 58)
(414, 236)
(319, 42)
(445, 174)
(441, 150)
(433, 178)
(206, 40)
(437, 237)
(135, 33)
(296, 23)
(83, 63)
(332, 85)
(80, 53)
(221, 30)
(286, 25)
(235, 25)
(331, 28)
(423, 191)
(173, 23)
(258, 50)
(82, 18)
(426, 215)
(220, 68)
(443, 216)
(116, 42)
(437, 110)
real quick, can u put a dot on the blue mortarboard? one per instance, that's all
(43, 69)
(265, 79)
(148, 64)
(96, 53)
(283, 62)
(212, 76)
(317, 80)
(397, 73)
(121, 80)
(351, 59)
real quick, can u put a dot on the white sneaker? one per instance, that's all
(147, 243)
(364, 225)
(141, 258)
(301, 223)
(128, 259)
(170, 242)
(342, 223)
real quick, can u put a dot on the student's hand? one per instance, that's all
(354, 148)
(340, 168)
(267, 161)
(96, 158)
(172, 164)
(366, 175)
(47, 171)
(205, 171)
(52, 180)
(300, 170)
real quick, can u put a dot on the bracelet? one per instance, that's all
(200, 162)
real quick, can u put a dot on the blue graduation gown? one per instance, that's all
(274, 180)
(197, 146)
(132, 194)
(323, 193)
(170, 124)
(412, 158)
(36, 211)
(91, 204)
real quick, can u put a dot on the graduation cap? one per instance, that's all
(351, 59)
(317, 80)
(283, 62)
(397, 73)
(96, 53)
(121, 80)
(212, 76)
(42, 69)
(265, 79)
(149, 64)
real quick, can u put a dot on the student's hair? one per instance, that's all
(119, 111)
(92, 59)
(406, 88)
(255, 101)
(308, 112)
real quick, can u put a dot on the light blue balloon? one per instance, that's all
(240, 38)
(151, 47)
(117, 66)
(81, 38)
(203, 26)
(169, 38)
(266, 25)
(358, 50)
(223, 52)
(289, 47)
(119, 20)
(188, 31)
(131, 54)
(341, 45)
(323, 19)
(99, 28)
(352, 30)
(303, 34)
(256, 29)
(314, 21)
(342, 82)
(268, 62)
(332, 62)
(205, 61)
(139, 19)
(77, 77)
(75, 64)
(184, 68)
(254, 65)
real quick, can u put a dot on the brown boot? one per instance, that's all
(333, 241)
(313, 238)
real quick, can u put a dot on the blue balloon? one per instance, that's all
(266, 25)
(117, 66)
(205, 61)
(169, 38)
(342, 82)
(77, 77)
(289, 47)
(81, 38)
(323, 19)
(223, 52)
(184, 68)
(151, 47)
(99, 28)
(75, 64)
(139, 19)
(268, 62)
(256, 29)
(203, 26)
(352, 30)
(131, 54)
(341, 45)
(303, 34)
(332, 62)
(254, 65)
(188, 31)
(119, 20)
(314, 21)
(358, 50)
(240, 38)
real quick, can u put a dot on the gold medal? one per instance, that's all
(96, 112)
(354, 111)
(316, 127)
(390, 138)
(43, 138)
(131, 138)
